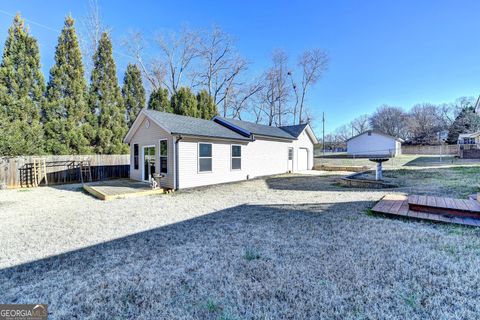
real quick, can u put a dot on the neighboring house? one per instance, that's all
(193, 152)
(469, 138)
(374, 143)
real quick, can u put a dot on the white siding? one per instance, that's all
(303, 141)
(188, 174)
(151, 136)
(374, 144)
(261, 157)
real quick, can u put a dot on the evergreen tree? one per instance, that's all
(106, 103)
(160, 101)
(184, 102)
(206, 105)
(467, 121)
(133, 93)
(66, 108)
(21, 93)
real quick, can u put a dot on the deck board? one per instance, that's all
(398, 205)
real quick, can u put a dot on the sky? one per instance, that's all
(381, 52)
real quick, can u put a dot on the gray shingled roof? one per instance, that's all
(294, 130)
(178, 124)
(258, 129)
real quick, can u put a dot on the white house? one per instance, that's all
(469, 138)
(193, 152)
(374, 143)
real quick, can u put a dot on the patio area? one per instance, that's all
(120, 188)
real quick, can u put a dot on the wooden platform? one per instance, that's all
(397, 205)
(440, 205)
(120, 188)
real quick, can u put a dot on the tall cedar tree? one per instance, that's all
(133, 93)
(205, 105)
(66, 108)
(184, 103)
(106, 103)
(160, 101)
(21, 93)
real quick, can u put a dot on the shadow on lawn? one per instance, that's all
(178, 268)
(427, 161)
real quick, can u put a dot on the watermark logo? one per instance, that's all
(23, 312)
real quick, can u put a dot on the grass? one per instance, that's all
(457, 182)
(287, 247)
(251, 254)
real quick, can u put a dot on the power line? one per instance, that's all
(116, 52)
(31, 21)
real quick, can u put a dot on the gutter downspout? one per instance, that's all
(175, 162)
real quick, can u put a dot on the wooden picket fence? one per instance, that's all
(103, 167)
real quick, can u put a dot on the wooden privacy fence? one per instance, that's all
(446, 149)
(103, 167)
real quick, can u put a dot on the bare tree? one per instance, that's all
(342, 133)
(153, 70)
(276, 89)
(220, 67)
(244, 98)
(179, 50)
(390, 120)
(280, 71)
(91, 33)
(361, 124)
(424, 123)
(313, 64)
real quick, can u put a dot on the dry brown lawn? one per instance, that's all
(286, 247)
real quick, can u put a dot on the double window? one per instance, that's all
(163, 156)
(204, 157)
(236, 157)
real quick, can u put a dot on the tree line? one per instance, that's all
(195, 74)
(423, 124)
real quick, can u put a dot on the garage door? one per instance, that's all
(302, 159)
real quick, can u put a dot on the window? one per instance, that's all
(236, 157)
(204, 157)
(135, 156)
(290, 153)
(163, 156)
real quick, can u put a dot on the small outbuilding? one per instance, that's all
(189, 152)
(374, 143)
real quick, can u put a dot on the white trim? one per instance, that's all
(198, 156)
(311, 134)
(231, 157)
(143, 160)
(160, 156)
(288, 159)
(136, 124)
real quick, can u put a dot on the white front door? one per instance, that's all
(302, 159)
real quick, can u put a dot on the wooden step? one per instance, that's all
(445, 206)
(397, 205)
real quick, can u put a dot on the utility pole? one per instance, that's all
(323, 133)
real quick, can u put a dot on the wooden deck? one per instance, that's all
(397, 205)
(120, 188)
(440, 205)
